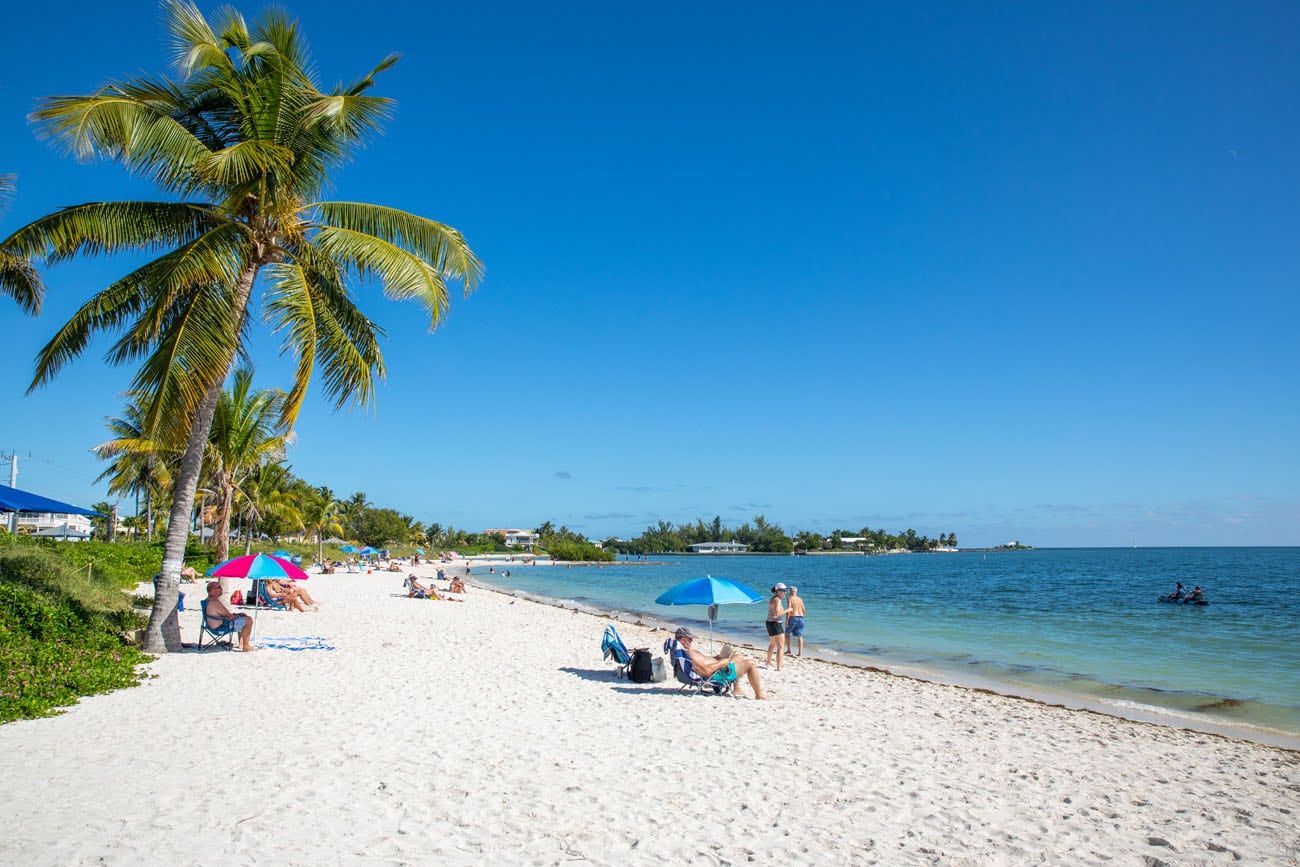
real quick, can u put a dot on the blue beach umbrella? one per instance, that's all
(420, 551)
(366, 551)
(349, 549)
(284, 555)
(709, 591)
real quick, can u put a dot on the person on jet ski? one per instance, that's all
(1197, 594)
(1178, 592)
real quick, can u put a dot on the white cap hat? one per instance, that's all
(779, 586)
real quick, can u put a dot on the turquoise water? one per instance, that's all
(1083, 622)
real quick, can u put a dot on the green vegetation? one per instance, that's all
(61, 630)
(763, 536)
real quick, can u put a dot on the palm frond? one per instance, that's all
(322, 325)
(403, 275)
(97, 228)
(437, 244)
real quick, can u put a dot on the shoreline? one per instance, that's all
(1152, 715)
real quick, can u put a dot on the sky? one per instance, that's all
(1015, 270)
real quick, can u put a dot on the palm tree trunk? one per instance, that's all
(163, 634)
(221, 533)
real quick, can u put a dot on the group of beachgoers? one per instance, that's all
(785, 622)
(416, 590)
(286, 593)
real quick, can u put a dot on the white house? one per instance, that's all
(515, 538)
(36, 523)
(718, 548)
(853, 542)
(66, 532)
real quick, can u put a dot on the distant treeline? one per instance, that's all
(765, 537)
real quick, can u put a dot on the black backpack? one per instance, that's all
(642, 668)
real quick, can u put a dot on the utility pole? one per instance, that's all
(13, 483)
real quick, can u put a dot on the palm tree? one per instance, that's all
(247, 137)
(247, 431)
(139, 464)
(268, 493)
(320, 517)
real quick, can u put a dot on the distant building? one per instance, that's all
(514, 538)
(718, 548)
(853, 542)
(38, 523)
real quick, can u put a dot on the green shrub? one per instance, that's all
(61, 634)
(569, 549)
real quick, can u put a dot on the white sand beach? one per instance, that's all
(490, 731)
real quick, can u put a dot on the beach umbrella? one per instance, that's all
(283, 554)
(349, 549)
(420, 551)
(257, 566)
(366, 551)
(709, 591)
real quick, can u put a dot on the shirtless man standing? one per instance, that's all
(794, 623)
(775, 626)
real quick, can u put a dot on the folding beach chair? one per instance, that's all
(264, 599)
(226, 630)
(612, 647)
(685, 673)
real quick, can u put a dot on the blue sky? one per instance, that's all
(1022, 271)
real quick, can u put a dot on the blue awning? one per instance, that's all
(14, 500)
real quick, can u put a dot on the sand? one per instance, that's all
(490, 731)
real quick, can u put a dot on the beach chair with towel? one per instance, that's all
(686, 676)
(408, 584)
(226, 630)
(261, 599)
(612, 647)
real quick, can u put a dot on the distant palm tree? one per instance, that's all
(320, 517)
(248, 430)
(248, 137)
(139, 464)
(268, 493)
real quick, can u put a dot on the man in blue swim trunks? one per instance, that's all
(794, 622)
(218, 613)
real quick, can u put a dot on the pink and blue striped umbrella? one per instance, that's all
(257, 566)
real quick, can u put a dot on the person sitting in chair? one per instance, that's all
(218, 613)
(728, 669)
(291, 596)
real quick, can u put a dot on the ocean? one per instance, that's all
(1076, 625)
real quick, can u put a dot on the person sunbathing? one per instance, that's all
(456, 586)
(294, 597)
(728, 668)
(217, 614)
(419, 591)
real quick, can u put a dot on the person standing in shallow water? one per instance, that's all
(775, 626)
(794, 623)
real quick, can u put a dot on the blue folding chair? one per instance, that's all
(612, 647)
(226, 630)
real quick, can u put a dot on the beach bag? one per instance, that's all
(658, 671)
(642, 668)
(237, 598)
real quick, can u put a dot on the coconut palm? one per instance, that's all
(246, 136)
(18, 279)
(267, 494)
(248, 430)
(139, 464)
(320, 517)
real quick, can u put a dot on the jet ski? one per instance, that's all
(1182, 600)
